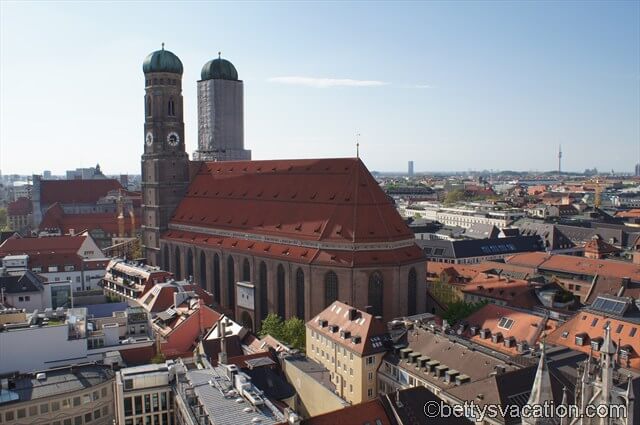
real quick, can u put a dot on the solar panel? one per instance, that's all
(609, 306)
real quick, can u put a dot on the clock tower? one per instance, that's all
(165, 164)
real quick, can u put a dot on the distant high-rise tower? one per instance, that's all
(637, 170)
(559, 159)
(410, 168)
(220, 113)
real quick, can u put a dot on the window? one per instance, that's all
(96, 414)
(370, 360)
(505, 323)
(138, 404)
(370, 392)
(128, 406)
(280, 277)
(55, 406)
(351, 371)
(231, 281)
(77, 420)
(594, 322)
(370, 376)
(376, 293)
(33, 410)
(246, 270)
(87, 418)
(300, 294)
(330, 288)
(350, 388)
(44, 408)
(412, 292)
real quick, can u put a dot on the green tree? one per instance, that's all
(294, 333)
(3, 218)
(459, 310)
(272, 325)
(454, 196)
(291, 331)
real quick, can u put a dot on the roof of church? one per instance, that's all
(55, 217)
(271, 206)
(162, 61)
(219, 69)
(76, 191)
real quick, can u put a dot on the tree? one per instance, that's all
(454, 196)
(3, 218)
(291, 331)
(294, 333)
(459, 310)
(272, 325)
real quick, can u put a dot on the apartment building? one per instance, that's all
(350, 343)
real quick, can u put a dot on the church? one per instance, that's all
(282, 236)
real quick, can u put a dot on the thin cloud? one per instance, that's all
(423, 86)
(326, 82)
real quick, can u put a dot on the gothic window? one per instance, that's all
(231, 282)
(165, 263)
(264, 305)
(246, 271)
(216, 278)
(330, 288)
(412, 293)
(171, 108)
(189, 264)
(148, 108)
(376, 292)
(176, 267)
(202, 280)
(281, 297)
(300, 294)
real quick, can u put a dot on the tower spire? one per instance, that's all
(541, 392)
(163, 45)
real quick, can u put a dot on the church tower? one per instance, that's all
(220, 113)
(165, 163)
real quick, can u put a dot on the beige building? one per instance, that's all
(76, 395)
(350, 343)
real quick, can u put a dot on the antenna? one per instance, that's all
(357, 145)
(559, 159)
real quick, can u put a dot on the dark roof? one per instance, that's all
(553, 238)
(269, 381)
(21, 206)
(24, 282)
(368, 412)
(411, 408)
(482, 231)
(438, 248)
(219, 69)
(162, 61)
(60, 381)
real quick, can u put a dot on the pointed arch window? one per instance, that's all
(376, 292)
(231, 282)
(264, 303)
(176, 267)
(412, 292)
(203, 271)
(246, 271)
(300, 294)
(330, 287)
(216, 278)
(171, 110)
(281, 296)
(148, 106)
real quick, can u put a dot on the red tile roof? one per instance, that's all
(364, 325)
(75, 191)
(57, 244)
(21, 206)
(56, 218)
(515, 292)
(584, 322)
(577, 265)
(317, 199)
(525, 327)
(370, 412)
(599, 247)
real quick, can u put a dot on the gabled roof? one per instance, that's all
(57, 244)
(509, 322)
(75, 191)
(373, 334)
(316, 199)
(56, 218)
(480, 247)
(482, 231)
(21, 206)
(27, 281)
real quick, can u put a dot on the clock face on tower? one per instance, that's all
(173, 139)
(149, 139)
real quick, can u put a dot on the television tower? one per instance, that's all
(559, 159)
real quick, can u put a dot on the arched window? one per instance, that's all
(177, 272)
(245, 320)
(376, 292)
(171, 108)
(412, 292)
(165, 260)
(264, 300)
(300, 294)
(216, 279)
(203, 271)
(281, 298)
(148, 106)
(231, 282)
(246, 271)
(330, 288)
(189, 265)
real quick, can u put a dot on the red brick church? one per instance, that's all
(283, 236)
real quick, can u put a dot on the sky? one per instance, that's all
(450, 85)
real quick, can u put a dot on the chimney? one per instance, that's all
(353, 314)
(368, 309)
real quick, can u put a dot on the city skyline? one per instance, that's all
(436, 83)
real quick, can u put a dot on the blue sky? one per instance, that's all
(449, 85)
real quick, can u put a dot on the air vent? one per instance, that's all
(356, 339)
(345, 334)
